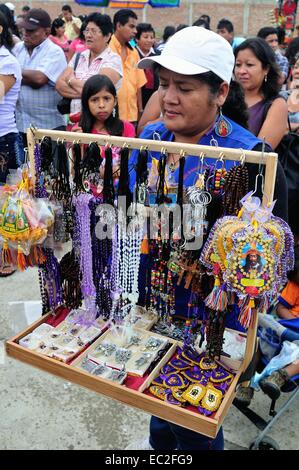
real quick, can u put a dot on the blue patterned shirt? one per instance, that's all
(39, 106)
(282, 63)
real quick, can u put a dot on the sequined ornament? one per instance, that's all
(250, 256)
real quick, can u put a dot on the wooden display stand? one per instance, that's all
(208, 426)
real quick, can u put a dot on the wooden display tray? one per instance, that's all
(135, 398)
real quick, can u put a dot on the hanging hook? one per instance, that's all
(242, 157)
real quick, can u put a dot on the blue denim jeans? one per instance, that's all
(168, 436)
(11, 154)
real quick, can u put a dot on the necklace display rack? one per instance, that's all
(208, 426)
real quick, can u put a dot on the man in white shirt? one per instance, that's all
(72, 23)
(42, 62)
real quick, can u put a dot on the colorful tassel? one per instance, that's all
(21, 260)
(264, 304)
(6, 255)
(38, 255)
(217, 299)
(245, 316)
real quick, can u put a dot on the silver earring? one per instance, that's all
(266, 78)
(114, 113)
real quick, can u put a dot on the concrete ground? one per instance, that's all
(41, 411)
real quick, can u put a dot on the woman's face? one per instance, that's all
(101, 105)
(187, 105)
(249, 71)
(146, 41)
(60, 31)
(94, 38)
(296, 71)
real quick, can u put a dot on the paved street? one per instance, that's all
(40, 411)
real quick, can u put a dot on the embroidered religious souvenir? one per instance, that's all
(220, 375)
(194, 393)
(191, 355)
(194, 374)
(212, 398)
(167, 369)
(175, 380)
(223, 127)
(249, 255)
(206, 363)
(179, 364)
(158, 381)
(158, 392)
(178, 394)
(169, 398)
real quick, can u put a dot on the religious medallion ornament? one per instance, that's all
(249, 255)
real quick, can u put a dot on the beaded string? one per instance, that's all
(40, 190)
(81, 203)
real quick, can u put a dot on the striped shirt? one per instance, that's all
(39, 106)
(84, 70)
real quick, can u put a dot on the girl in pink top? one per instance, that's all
(58, 37)
(99, 114)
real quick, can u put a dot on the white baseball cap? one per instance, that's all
(10, 6)
(195, 50)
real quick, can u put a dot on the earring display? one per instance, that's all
(127, 347)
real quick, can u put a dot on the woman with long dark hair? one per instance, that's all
(11, 148)
(257, 72)
(58, 35)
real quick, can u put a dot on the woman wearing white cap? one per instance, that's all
(195, 70)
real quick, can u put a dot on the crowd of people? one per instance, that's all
(111, 76)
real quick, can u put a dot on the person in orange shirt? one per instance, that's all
(288, 301)
(129, 94)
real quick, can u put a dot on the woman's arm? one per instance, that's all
(284, 312)
(276, 123)
(151, 113)
(111, 73)
(63, 86)
(7, 81)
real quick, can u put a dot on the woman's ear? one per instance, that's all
(222, 94)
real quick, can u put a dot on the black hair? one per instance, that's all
(235, 106)
(26, 8)
(266, 31)
(292, 50)
(91, 87)
(57, 23)
(122, 16)
(294, 273)
(9, 19)
(82, 29)
(181, 26)
(67, 8)
(144, 28)
(102, 21)
(201, 22)
(263, 52)
(82, 17)
(5, 36)
(206, 18)
(281, 34)
(168, 32)
(225, 24)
